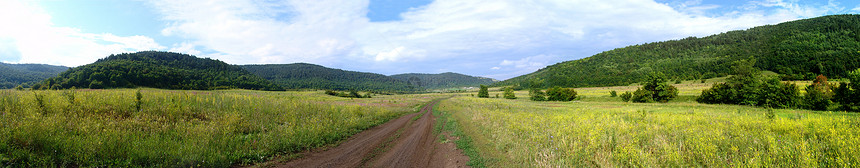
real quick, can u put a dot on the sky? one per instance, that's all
(500, 39)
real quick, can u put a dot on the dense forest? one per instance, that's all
(12, 75)
(310, 76)
(156, 69)
(798, 50)
(443, 80)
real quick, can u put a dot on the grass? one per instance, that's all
(602, 131)
(167, 128)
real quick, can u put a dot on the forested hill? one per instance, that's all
(443, 80)
(801, 49)
(310, 76)
(156, 69)
(12, 75)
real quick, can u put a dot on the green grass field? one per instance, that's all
(104, 128)
(601, 131)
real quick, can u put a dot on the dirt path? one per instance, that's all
(401, 142)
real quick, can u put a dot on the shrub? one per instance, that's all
(560, 94)
(536, 94)
(773, 93)
(509, 93)
(642, 96)
(654, 89)
(818, 94)
(19, 87)
(625, 97)
(613, 94)
(483, 92)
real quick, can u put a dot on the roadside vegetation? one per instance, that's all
(167, 128)
(600, 131)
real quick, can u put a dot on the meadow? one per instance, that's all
(601, 131)
(170, 128)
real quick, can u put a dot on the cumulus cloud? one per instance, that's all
(30, 34)
(266, 31)
(461, 36)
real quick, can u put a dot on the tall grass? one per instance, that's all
(164, 128)
(522, 133)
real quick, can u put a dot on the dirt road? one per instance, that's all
(402, 142)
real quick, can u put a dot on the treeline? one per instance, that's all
(25, 75)
(443, 80)
(799, 49)
(748, 88)
(310, 76)
(156, 69)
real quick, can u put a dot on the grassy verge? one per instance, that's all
(168, 128)
(445, 122)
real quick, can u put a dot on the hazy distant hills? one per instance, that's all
(801, 49)
(443, 80)
(156, 69)
(310, 76)
(12, 75)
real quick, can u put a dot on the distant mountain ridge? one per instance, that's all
(800, 49)
(443, 80)
(156, 69)
(12, 75)
(311, 76)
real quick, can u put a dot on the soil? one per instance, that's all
(402, 142)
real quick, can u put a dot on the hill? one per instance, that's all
(12, 75)
(310, 76)
(443, 80)
(801, 49)
(156, 69)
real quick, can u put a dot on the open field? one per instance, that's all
(601, 131)
(104, 128)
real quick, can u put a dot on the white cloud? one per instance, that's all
(186, 48)
(266, 31)
(446, 33)
(36, 40)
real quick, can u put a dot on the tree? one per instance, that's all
(654, 89)
(535, 94)
(613, 93)
(625, 97)
(509, 93)
(484, 92)
(818, 94)
(848, 94)
(560, 94)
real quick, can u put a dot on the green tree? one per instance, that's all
(484, 92)
(613, 93)
(819, 94)
(654, 89)
(509, 93)
(560, 94)
(626, 96)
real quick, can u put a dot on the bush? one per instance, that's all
(625, 97)
(818, 94)
(848, 94)
(484, 92)
(536, 94)
(613, 94)
(642, 96)
(561, 94)
(655, 89)
(509, 93)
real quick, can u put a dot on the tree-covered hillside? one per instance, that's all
(310, 76)
(156, 69)
(443, 80)
(12, 75)
(802, 49)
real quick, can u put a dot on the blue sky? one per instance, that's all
(491, 38)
